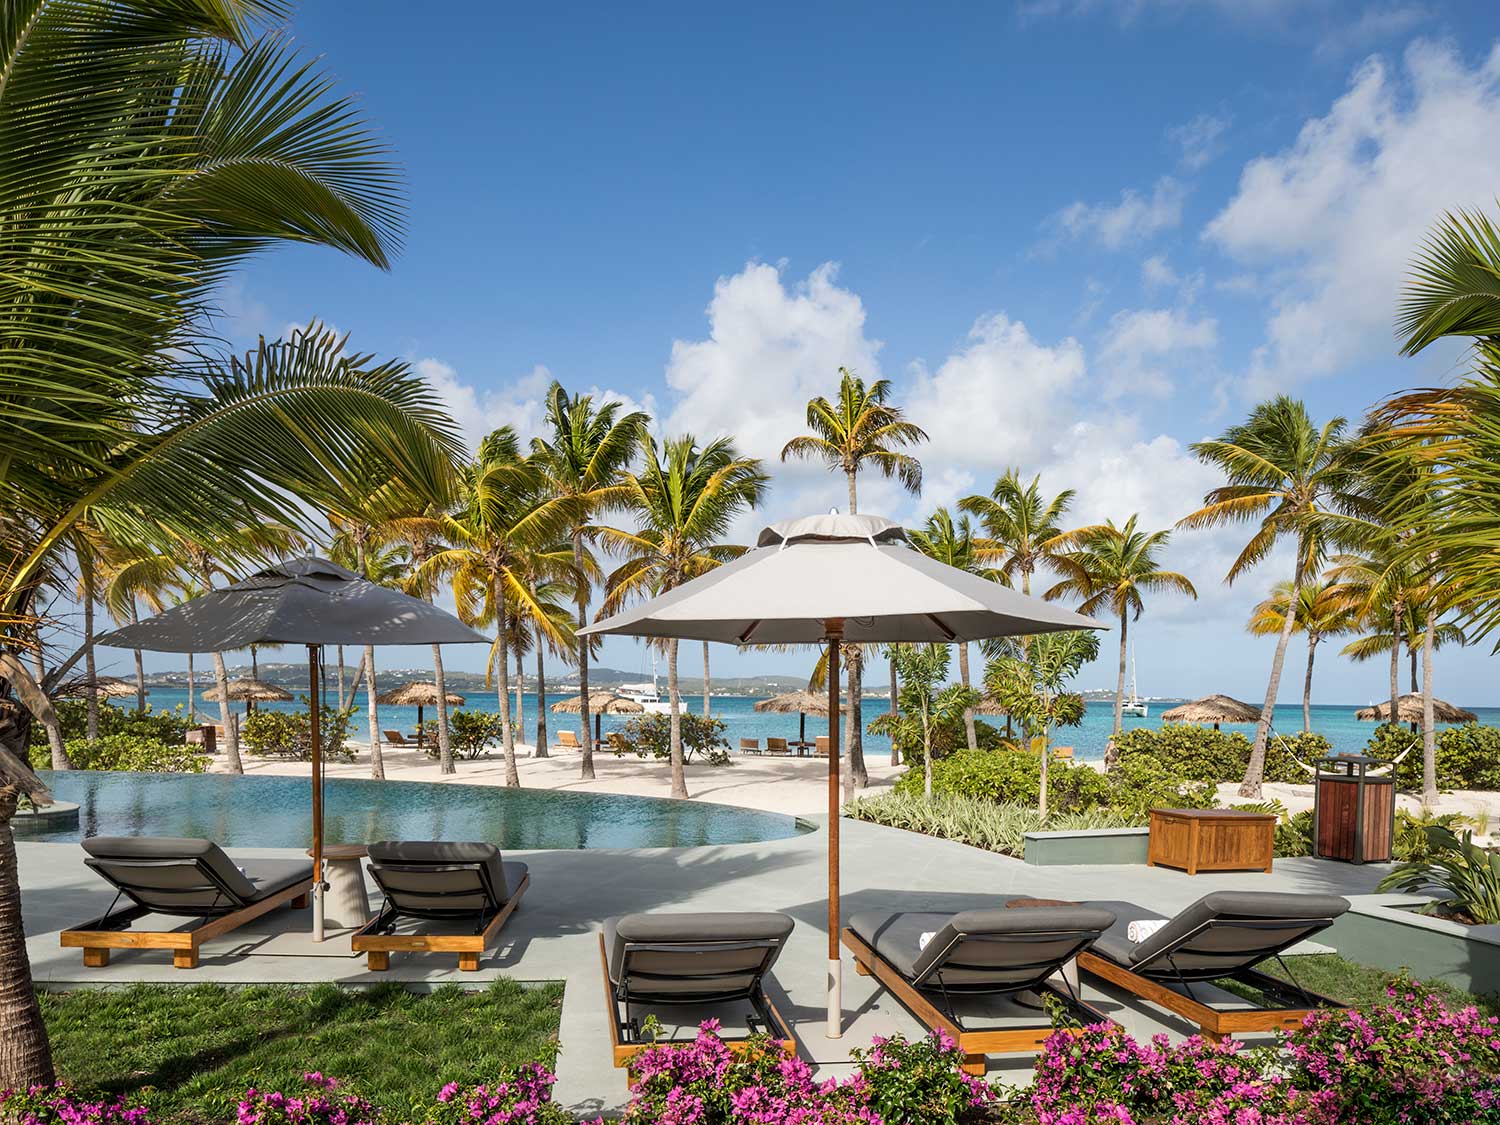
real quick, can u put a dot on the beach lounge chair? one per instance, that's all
(1222, 936)
(749, 746)
(776, 746)
(180, 878)
(616, 742)
(928, 959)
(397, 739)
(567, 740)
(821, 747)
(442, 897)
(703, 960)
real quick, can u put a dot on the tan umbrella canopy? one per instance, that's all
(111, 686)
(802, 703)
(600, 703)
(989, 705)
(248, 690)
(418, 694)
(831, 579)
(1214, 709)
(1409, 710)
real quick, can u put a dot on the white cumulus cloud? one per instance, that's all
(1142, 347)
(1132, 219)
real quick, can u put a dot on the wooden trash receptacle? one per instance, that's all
(1354, 812)
(1211, 840)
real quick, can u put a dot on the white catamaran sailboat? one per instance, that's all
(647, 695)
(1135, 706)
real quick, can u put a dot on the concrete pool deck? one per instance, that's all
(554, 934)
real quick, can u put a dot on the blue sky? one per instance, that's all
(1077, 234)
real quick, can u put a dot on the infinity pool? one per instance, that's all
(275, 812)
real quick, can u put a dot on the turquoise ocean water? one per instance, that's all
(1335, 721)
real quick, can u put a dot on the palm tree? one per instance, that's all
(1022, 527)
(1111, 567)
(555, 599)
(684, 499)
(953, 544)
(582, 458)
(506, 515)
(1293, 477)
(1323, 609)
(861, 429)
(357, 547)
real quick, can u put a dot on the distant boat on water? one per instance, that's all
(1137, 706)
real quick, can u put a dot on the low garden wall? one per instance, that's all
(1087, 846)
(1386, 931)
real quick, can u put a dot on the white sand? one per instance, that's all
(1481, 806)
(786, 785)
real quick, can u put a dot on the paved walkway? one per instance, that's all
(553, 935)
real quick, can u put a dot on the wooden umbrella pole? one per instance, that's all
(316, 748)
(834, 627)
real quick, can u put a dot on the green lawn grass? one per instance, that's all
(1357, 985)
(188, 1053)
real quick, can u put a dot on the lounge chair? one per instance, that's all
(181, 878)
(652, 960)
(820, 748)
(776, 746)
(990, 952)
(397, 739)
(567, 740)
(466, 888)
(615, 741)
(750, 746)
(1222, 936)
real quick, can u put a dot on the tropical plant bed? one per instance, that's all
(188, 1054)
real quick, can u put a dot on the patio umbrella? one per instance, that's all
(249, 691)
(600, 703)
(1409, 710)
(832, 579)
(804, 703)
(418, 694)
(110, 686)
(1214, 709)
(307, 601)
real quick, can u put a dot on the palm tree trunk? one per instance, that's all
(90, 668)
(926, 759)
(1255, 771)
(1312, 651)
(707, 694)
(231, 733)
(1411, 656)
(970, 735)
(445, 738)
(858, 773)
(507, 732)
(521, 692)
(347, 701)
(541, 704)
(586, 736)
(679, 776)
(1429, 733)
(254, 663)
(1111, 753)
(140, 666)
(192, 710)
(1395, 677)
(25, 1053)
(377, 756)
(341, 676)
(895, 754)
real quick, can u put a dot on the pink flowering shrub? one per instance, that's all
(897, 1082)
(59, 1105)
(523, 1097)
(321, 1103)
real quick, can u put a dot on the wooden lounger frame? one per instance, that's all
(975, 1044)
(469, 947)
(624, 1051)
(97, 937)
(1215, 1023)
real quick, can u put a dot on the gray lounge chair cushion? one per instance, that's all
(979, 947)
(1226, 948)
(163, 873)
(477, 878)
(700, 964)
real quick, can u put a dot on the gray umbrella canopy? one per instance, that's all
(307, 601)
(835, 577)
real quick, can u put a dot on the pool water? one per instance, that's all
(276, 812)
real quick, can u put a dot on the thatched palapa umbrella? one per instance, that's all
(308, 601)
(600, 703)
(418, 694)
(249, 691)
(110, 686)
(1214, 709)
(829, 580)
(1409, 710)
(804, 703)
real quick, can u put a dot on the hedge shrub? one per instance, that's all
(1468, 756)
(169, 727)
(1199, 753)
(125, 752)
(1009, 776)
(288, 734)
(1140, 783)
(947, 739)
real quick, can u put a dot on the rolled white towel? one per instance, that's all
(1142, 928)
(926, 936)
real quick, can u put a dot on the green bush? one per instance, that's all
(1140, 783)
(1294, 834)
(1009, 776)
(169, 727)
(1284, 751)
(1465, 876)
(125, 752)
(288, 734)
(947, 738)
(1188, 751)
(975, 821)
(1468, 756)
(1412, 841)
(652, 735)
(470, 733)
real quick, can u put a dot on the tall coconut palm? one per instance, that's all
(1110, 569)
(582, 455)
(1324, 608)
(684, 499)
(1292, 479)
(555, 599)
(505, 515)
(953, 543)
(860, 430)
(422, 533)
(357, 546)
(1023, 530)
